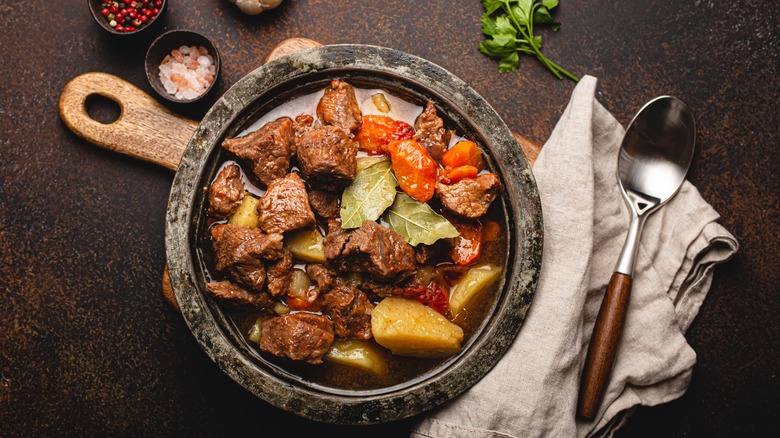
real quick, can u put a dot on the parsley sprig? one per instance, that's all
(509, 24)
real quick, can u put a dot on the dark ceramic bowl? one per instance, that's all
(406, 76)
(95, 7)
(162, 47)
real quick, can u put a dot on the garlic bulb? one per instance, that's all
(254, 7)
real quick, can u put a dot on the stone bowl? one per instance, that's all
(409, 77)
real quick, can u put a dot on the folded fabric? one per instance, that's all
(533, 389)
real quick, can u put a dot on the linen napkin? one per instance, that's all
(533, 389)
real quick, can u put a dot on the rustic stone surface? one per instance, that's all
(88, 345)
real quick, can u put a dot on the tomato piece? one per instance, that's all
(433, 295)
(451, 175)
(467, 247)
(306, 302)
(377, 131)
(415, 170)
(298, 303)
(463, 153)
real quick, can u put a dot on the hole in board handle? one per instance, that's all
(102, 109)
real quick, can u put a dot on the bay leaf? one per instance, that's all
(369, 195)
(416, 221)
(365, 162)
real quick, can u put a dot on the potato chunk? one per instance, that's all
(246, 215)
(300, 283)
(409, 328)
(306, 245)
(256, 332)
(471, 287)
(357, 354)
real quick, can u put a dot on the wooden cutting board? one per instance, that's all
(150, 131)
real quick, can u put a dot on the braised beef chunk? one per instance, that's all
(325, 204)
(278, 274)
(339, 107)
(469, 197)
(285, 206)
(328, 158)
(239, 252)
(226, 192)
(237, 297)
(378, 289)
(236, 242)
(249, 272)
(334, 225)
(303, 123)
(426, 253)
(449, 275)
(371, 248)
(429, 131)
(268, 150)
(322, 275)
(297, 336)
(350, 310)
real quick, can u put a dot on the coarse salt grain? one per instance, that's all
(187, 72)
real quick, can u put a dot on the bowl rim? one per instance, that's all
(94, 9)
(524, 245)
(157, 51)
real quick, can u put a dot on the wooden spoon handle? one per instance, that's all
(145, 129)
(604, 345)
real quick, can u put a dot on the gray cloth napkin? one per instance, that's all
(533, 389)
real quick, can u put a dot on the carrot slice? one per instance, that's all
(463, 153)
(451, 175)
(415, 170)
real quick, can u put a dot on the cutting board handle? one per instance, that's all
(145, 128)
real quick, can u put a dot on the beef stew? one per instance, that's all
(301, 255)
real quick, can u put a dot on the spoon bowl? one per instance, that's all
(654, 158)
(657, 149)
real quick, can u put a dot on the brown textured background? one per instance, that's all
(89, 347)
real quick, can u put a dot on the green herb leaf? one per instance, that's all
(504, 27)
(523, 12)
(492, 5)
(488, 25)
(509, 28)
(369, 195)
(497, 48)
(543, 15)
(509, 62)
(416, 222)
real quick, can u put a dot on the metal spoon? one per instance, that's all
(655, 154)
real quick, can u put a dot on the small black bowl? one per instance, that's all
(95, 7)
(163, 45)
